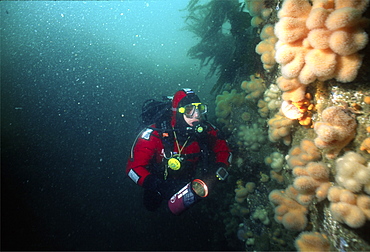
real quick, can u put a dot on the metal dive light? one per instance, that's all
(187, 196)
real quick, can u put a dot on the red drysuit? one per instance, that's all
(149, 154)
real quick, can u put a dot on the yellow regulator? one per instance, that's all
(174, 164)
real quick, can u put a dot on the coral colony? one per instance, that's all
(312, 128)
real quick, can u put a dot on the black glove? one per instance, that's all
(152, 182)
(170, 186)
(166, 188)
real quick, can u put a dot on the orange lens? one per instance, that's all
(200, 188)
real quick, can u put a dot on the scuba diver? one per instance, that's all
(180, 158)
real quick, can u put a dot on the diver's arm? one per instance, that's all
(143, 151)
(220, 148)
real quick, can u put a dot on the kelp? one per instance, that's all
(224, 51)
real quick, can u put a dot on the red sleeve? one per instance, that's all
(220, 148)
(147, 146)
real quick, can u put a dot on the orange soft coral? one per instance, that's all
(300, 110)
(319, 38)
(258, 10)
(266, 48)
(347, 67)
(291, 57)
(302, 154)
(348, 41)
(357, 4)
(242, 192)
(317, 17)
(312, 241)
(254, 88)
(288, 211)
(280, 128)
(295, 9)
(365, 145)
(263, 109)
(320, 41)
(293, 90)
(349, 208)
(335, 131)
(311, 180)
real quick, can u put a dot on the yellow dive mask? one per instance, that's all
(190, 109)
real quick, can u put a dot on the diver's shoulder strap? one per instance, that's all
(165, 133)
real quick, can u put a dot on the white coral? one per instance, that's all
(353, 173)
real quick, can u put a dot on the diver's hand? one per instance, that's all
(170, 186)
(166, 188)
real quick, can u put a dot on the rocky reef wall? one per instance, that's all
(297, 113)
